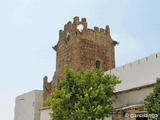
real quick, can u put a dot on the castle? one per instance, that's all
(93, 48)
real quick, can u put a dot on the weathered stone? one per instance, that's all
(81, 50)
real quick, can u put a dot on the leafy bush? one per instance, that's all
(152, 101)
(86, 95)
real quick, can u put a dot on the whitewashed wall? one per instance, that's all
(38, 104)
(132, 97)
(110, 118)
(45, 114)
(28, 105)
(139, 73)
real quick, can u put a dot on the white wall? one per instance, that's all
(38, 104)
(110, 118)
(28, 105)
(132, 97)
(45, 114)
(139, 73)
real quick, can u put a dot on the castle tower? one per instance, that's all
(81, 50)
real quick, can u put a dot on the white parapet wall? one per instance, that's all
(139, 73)
(138, 79)
(28, 105)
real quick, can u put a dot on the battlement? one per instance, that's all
(147, 60)
(98, 35)
(76, 22)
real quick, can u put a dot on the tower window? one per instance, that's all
(97, 64)
(68, 36)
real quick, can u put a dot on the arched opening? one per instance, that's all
(98, 64)
(80, 27)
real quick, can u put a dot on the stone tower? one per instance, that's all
(89, 48)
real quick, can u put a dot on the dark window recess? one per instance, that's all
(97, 64)
(68, 37)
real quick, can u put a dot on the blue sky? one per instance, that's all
(29, 29)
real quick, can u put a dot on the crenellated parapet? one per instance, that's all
(73, 34)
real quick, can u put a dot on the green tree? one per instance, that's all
(152, 101)
(86, 95)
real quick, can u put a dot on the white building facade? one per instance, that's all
(28, 105)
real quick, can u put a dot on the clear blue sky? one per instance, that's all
(29, 29)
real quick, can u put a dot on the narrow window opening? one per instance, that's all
(68, 36)
(97, 64)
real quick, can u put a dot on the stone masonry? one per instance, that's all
(81, 50)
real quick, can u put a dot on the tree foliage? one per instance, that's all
(152, 101)
(86, 95)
